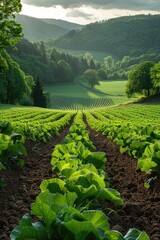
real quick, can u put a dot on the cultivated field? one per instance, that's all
(74, 96)
(98, 172)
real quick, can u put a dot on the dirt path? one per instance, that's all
(142, 207)
(22, 185)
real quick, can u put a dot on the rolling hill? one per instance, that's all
(64, 24)
(38, 29)
(131, 35)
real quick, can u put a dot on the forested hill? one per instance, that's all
(131, 35)
(38, 29)
(61, 23)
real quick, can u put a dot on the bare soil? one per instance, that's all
(141, 209)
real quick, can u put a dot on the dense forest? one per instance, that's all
(131, 35)
(51, 65)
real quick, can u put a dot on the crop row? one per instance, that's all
(65, 205)
(78, 103)
(22, 117)
(135, 114)
(14, 133)
(11, 148)
(38, 124)
(142, 142)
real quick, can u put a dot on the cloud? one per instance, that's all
(79, 14)
(103, 4)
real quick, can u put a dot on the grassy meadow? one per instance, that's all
(116, 88)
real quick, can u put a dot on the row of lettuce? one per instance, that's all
(36, 124)
(14, 133)
(137, 114)
(11, 148)
(141, 142)
(65, 206)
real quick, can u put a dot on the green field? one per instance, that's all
(112, 87)
(116, 88)
(74, 96)
(71, 90)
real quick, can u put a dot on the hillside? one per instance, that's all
(64, 24)
(36, 29)
(132, 35)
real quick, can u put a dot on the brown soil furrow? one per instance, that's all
(141, 206)
(22, 185)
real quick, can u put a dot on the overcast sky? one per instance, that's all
(87, 11)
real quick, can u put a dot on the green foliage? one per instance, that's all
(77, 150)
(102, 74)
(50, 64)
(26, 101)
(15, 84)
(130, 35)
(140, 79)
(64, 71)
(28, 230)
(38, 95)
(11, 147)
(92, 77)
(131, 130)
(77, 133)
(61, 219)
(108, 63)
(6, 128)
(10, 30)
(36, 123)
(87, 184)
(82, 169)
(150, 158)
(136, 234)
(155, 76)
(11, 150)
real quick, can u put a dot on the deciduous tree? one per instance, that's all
(14, 83)
(10, 30)
(155, 76)
(64, 71)
(92, 77)
(140, 79)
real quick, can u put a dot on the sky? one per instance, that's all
(88, 11)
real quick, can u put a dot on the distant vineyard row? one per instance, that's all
(78, 103)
